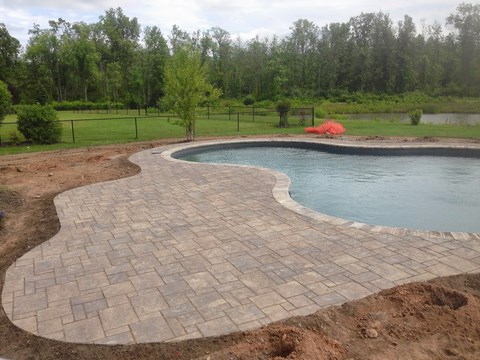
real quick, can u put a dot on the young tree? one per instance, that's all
(186, 87)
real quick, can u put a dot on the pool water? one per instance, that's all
(417, 192)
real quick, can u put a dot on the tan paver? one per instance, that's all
(186, 250)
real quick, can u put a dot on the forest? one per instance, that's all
(116, 60)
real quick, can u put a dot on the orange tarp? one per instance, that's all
(328, 127)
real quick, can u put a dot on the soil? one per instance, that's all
(439, 319)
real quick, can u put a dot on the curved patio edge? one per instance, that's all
(184, 250)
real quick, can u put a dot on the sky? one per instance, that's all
(241, 18)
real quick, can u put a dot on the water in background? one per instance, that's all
(417, 192)
(437, 119)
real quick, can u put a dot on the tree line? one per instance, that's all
(118, 60)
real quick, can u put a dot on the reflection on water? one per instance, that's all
(438, 119)
(420, 192)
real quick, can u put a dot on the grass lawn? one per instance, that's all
(91, 129)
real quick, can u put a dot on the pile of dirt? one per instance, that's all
(413, 321)
(282, 342)
(435, 320)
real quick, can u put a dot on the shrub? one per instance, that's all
(5, 101)
(249, 100)
(39, 124)
(16, 138)
(86, 105)
(283, 108)
(302, 117)
(320, 113)
(415, 116)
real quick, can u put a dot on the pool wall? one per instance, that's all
(451, 151)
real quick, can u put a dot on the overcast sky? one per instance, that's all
(244, 18)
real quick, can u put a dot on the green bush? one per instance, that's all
(320, 113)
(283, 108)
(16, 137)
(5, 101)
(86, 105)
(39, 124)
(249, 100)
(415, 116)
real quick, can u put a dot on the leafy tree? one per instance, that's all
(254, 68)
(114, 80)
(467, 24)
(9, 56)
(152, 59)
(220, 49)
(186, 87)
(117, 39)
(334, 47)
(406, 50)
(83, 58)
(5, 101)
(41, 57)
(179, 39)
(430, 72)
(372, 38)
(303, 44)
(368, 54)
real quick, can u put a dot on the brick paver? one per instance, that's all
(185, 250)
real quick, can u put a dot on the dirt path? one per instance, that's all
(439, 320)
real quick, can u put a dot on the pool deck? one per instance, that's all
(187, 250)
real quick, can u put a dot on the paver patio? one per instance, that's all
(186, 250)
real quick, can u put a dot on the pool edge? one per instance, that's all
(280, 191)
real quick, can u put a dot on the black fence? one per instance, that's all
(228, 120)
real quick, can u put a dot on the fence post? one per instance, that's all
(73, 131)
(208, 112)
(136, 129)
(313, 115)
(253, 113)
(229, 111)
(238, 121)
(194, 122)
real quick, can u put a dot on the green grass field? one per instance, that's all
(90, 129)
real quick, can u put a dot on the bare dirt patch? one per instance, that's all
(435, 320)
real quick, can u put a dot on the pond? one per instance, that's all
(437, 119)
(419, 192)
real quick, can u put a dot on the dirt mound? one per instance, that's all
(413, 321)
(278, 342)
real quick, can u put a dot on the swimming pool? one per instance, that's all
(410, 189)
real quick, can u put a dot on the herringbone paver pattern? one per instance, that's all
(190, 250)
